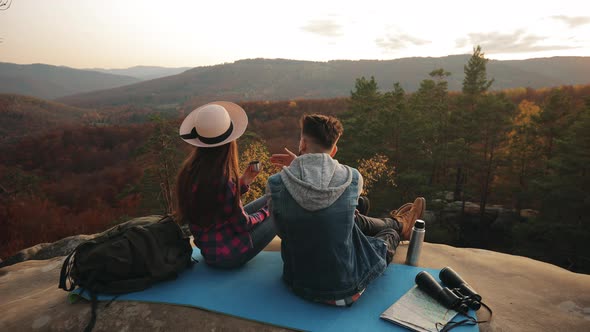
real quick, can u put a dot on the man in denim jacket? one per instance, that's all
(330, 251)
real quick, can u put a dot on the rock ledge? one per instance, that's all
(526, 295)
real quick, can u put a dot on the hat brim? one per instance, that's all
(237, 116)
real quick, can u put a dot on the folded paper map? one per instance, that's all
(418, 311)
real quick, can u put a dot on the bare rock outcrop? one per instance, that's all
(526, 295)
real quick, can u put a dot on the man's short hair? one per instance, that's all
(323, 130)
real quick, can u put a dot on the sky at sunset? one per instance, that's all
(125, 33)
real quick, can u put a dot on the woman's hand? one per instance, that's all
(282, 159)
(249, 175)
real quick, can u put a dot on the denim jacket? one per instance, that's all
(325, 255)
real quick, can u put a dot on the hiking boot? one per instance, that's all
(401, 210)
(408, 217)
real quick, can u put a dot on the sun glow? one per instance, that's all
(116, 34)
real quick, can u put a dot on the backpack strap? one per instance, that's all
(92, 321)
(64, 276)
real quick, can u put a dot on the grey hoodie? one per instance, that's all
(316, 181)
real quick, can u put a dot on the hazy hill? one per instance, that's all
(23, 116)
(143, 72)
(279, 79)
(45, 81)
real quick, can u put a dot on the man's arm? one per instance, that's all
(269, 205)
(283, 159)
(361, 183)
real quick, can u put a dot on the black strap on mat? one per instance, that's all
(468, 321)
(92, 321)
(94, 299)
(94, 308)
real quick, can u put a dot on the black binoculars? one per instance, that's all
(457, 294)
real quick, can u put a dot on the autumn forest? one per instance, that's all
(502, 170)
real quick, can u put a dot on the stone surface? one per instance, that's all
(526, 295)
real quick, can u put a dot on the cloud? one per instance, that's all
(325, 28)
(518, 41)
(572, 21)
(396, 41)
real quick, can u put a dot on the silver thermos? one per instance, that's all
(416, 240)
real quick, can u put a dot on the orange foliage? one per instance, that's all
(29, 221)
(375, 169)
(526, 110)
(65, 182)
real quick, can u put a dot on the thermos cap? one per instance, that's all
(420, 224)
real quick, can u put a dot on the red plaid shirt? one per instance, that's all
(228, 236)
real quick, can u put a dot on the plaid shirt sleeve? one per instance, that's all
(247, 220)
(256, 217)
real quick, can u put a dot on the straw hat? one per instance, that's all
(214, 124)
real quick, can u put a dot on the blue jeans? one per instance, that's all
(386, 229)
(261, 235)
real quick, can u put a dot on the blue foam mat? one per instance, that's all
(256, 292)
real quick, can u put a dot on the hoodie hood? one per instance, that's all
(316, 180)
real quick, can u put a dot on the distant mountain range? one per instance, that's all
(269, 79)
(24, 116)
(280, 79)
(143, 72)
(45, 81)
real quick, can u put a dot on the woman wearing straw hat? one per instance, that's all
(208, 188)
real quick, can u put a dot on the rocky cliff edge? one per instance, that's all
(526, 295)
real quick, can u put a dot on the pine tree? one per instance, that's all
(494, 114)
(569, 179)
(486, 120)
(362, 121)
(394, 111)
(475, 85)
(554, 118)
(432, 110)
(476, 82)
(365, 98)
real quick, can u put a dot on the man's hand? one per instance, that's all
(282, 159)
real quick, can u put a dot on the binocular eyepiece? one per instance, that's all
(458, 296)
(452, 279)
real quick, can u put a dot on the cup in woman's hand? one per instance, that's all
(255, 166)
